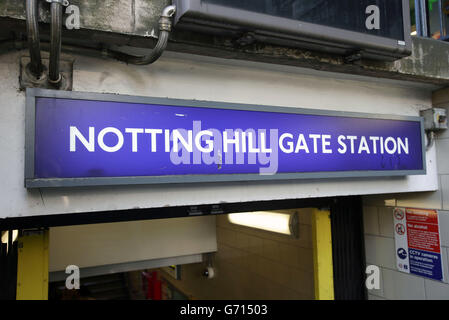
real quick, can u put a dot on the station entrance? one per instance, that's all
(278, 250)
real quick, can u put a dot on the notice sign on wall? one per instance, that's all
(418, 249)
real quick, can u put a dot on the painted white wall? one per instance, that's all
(113, 243)
(191, 77)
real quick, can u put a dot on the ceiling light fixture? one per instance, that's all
(278, 222)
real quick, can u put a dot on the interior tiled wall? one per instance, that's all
(254, 264)
(441, 100)
(379, 237)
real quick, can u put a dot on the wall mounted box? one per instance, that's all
(338, 27)
(435, 119)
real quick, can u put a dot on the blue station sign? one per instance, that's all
(86, 139)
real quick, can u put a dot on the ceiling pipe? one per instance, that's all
(54, 75)
(35, 66)
(165, 25)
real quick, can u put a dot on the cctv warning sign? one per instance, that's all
(418, 248)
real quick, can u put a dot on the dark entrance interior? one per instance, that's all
(346, 222)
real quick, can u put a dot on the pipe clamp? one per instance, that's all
(64, 3)
(165, 24)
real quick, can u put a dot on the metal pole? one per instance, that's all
(33, 38)
(421, 18)
(55, 51)
(442, 26)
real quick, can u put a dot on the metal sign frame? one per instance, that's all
(220, 17)
(32, 182)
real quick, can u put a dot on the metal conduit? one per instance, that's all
(54, 75)
(35, 65)
(165, 25)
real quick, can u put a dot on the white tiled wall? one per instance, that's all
(254, 264)
(398, 285)
(380, 251)
(443, 155)
(445, 186)
(385, 222)
(379, 236)
(441, 100)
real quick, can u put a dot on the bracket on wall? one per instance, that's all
(216, 209)
(246, 39)
(354, 57)
(64, 3)
(28, 80)
(194, 211)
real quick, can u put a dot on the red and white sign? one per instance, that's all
(423, 230)
(418, 247)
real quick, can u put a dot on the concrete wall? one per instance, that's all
(254, 264)
(202, 78)
(379, 230)
(113, 21)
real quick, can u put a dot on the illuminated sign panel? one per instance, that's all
(76, 138)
